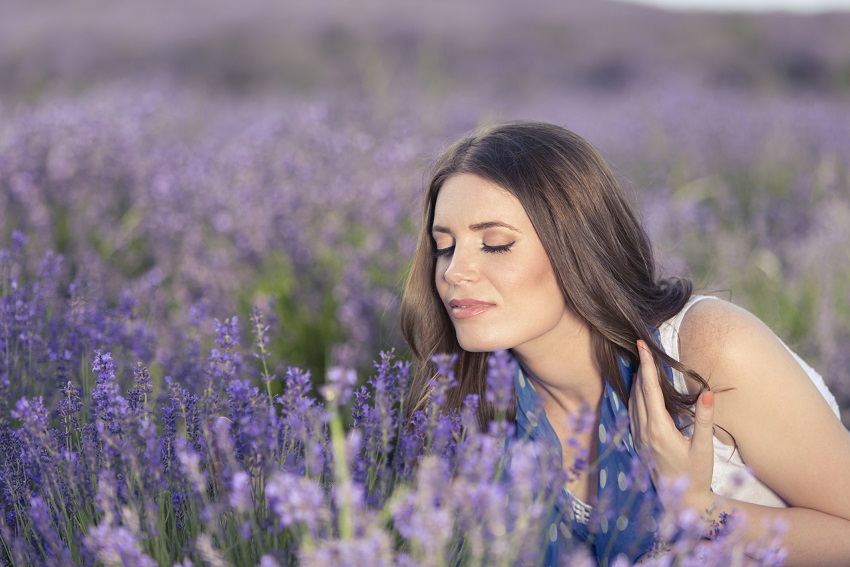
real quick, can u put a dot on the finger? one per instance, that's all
(642, 430)
(650, 387)
(702, 442)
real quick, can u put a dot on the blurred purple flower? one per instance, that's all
(240, 498)
(373, 548)
(339, 385)
(190, 465)
(443, 381)
(501, 370)
(268, 561)
(295, 499)
(116, 547)
(45, 527)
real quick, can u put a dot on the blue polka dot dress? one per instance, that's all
(621, 521)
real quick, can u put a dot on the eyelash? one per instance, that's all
(488, 249)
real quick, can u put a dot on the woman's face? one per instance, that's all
(492, 271)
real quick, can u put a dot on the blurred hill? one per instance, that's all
(437, 46)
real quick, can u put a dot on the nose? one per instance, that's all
(461, 269)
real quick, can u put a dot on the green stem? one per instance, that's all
(343, 482)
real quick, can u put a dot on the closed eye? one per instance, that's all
(498, 249)
(443, 251)
(449, 250)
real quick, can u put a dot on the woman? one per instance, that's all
(527, 243)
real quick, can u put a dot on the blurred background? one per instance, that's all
(205, 157)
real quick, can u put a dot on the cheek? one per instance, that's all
(533, 279)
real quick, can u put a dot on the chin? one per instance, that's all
(480, 344)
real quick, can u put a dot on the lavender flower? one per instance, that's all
(227, 333)
(169, 413)
(268, 561)
(339, 385)
(116, 547)
(36, 443)
(142, 388)
(374, 548)
(260, 330)
(445, 379)
(579, 423)
(501, 369)
(106, 499)
(190, 465)
(296, 387)
(109, 405)
(425, 516)
(44, 526)
(208, 552)
(250, 423)
(68, 410)
(296, 500)
(240, 498)
(224, 364)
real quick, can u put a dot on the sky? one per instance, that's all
(804, 6)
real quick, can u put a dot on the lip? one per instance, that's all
(466, 308)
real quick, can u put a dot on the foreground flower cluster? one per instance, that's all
(220, 462)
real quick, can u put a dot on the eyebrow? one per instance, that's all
(478, 227)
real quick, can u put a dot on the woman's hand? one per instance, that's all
(663, 448)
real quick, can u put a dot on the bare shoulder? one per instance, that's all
(768, 406)
(746, 364)
(716, 335)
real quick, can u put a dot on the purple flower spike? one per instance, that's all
(103, 366)
(116, 547)
(43, 524)
(501, 369)
(227, 333)
(373, 549)
(268, 561)
(583, 421)
(444, 380)
(240, 492)
(425, 516)
(296, 499)
(33, 414)
(68, 410)
(339, 385)
(109, 405)
(142, 388)
(296, 392)
(190, 464)
(445, 364)
(260, 329)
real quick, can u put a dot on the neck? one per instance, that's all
(568, 373)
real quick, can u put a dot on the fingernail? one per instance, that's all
(707, 398)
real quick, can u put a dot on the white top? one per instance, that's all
(731, 477)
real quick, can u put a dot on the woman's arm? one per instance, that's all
(784, 429)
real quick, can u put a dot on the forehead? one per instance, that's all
(469, 199)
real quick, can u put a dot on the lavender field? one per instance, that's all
(206, 214)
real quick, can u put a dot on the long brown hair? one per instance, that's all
(600, 253)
